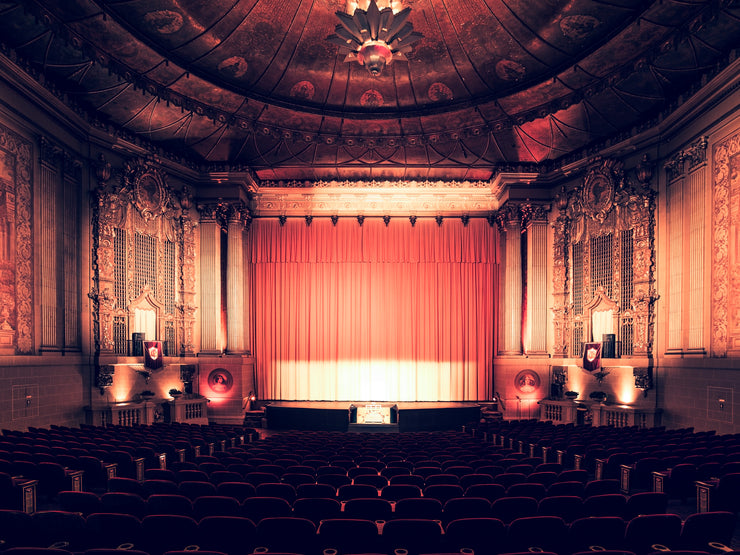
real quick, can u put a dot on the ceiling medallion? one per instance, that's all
(376, 36)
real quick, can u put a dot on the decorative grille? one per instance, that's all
(145, 263)
(168, 277)
(169, 338)
(119, 267)
(627, 274)
(578, 278)
(120, 335)
(627, 334)
(602, 259)
(576, 344)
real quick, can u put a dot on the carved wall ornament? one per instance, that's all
(16, 262)
(146, 182)
(104, 377)
(725, 313)
(643, 378)
(687, 158)
(137, 201)
(644, 170)
(103, 169)
(599, 188)
(508, 214)
(608, 211)
(531, 212)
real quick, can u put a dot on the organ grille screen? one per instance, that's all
(119, 269)
(120, 335)
(627, 285)
(577, 339)
(168, 282)
(169, 338)
(578, 278)
(145, 263)
(602, 258)
(626, 329)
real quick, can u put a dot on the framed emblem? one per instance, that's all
(598, 194)
(220, 380)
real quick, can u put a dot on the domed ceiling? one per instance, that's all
(492, 84)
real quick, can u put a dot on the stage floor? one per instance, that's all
(342, 415)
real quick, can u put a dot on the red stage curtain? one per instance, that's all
(374, 312)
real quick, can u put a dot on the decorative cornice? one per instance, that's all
(376, 198)
(375, 184)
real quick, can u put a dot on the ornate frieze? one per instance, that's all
(725, 313)
(16, 256)
(560, 272)
(375, 198)
(607, 204)
(137, 200)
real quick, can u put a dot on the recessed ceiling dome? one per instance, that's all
(256, 83)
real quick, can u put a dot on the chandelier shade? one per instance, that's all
(374, 37)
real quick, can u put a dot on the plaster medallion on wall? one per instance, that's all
(220, 380)
(147, 188)
(598, 194)
(527, 381)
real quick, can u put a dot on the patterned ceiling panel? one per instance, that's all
(255, 83)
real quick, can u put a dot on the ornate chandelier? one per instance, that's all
(374, 37)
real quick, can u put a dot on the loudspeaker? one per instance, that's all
(608, 345)
(137, 344)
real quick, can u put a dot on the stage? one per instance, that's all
(370, 416)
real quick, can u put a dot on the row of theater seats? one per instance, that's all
(595, 441)
(158, 534)
(505, 508)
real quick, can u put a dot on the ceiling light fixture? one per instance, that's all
(374, 37)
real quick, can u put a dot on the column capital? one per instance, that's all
(508, 215)
(534, 213)
(238, 214)
(212, 212)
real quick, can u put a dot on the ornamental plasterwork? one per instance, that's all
(726, 251)
(607, 202)
(374, 202)
(375, 184)
(687, 158)
(138, 199)
(560, 283)
(16, 278)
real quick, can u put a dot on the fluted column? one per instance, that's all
(534, 219)
(235, 264)
(511, 317)
(211, 333)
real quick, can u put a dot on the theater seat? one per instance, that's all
(416, 536)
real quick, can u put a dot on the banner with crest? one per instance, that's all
(592, 356)
(153, 354)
